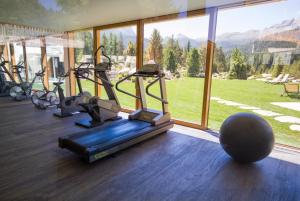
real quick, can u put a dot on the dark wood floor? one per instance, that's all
(169, 167)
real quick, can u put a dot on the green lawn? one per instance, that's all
(185, 98)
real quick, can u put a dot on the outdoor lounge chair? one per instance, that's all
(285, 79)
(275, 80)
(291, 89)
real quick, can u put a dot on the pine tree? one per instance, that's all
(110, 44)
(193, 62)
(78, 51)
(238, 67)
(170, 61)
(171, 43)
(88, 44)
(202, 57)
(121, 45)
(114, 45)
(188, 46)
(130, 51)
(155, 48)
(178, 53)
(219, 62)
(104, 41)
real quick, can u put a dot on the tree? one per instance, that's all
(219, 62)
(104, 41)
(277, 69)
(202, 57)
(173, 45)
(114, 47)
(78, 51)
(120, 45)
(238, 67)
(294, 69)
(193, 62)
(130, 51)
(178, 53)
(170, 61)
(155, 48)
(188, 46)
(110, 44)
(88, 43)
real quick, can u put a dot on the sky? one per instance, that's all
(231, 20)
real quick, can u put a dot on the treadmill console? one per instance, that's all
(146, 116)
(152, 69)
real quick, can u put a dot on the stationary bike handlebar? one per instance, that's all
(41, 73)
(3, 62)
(83, 72)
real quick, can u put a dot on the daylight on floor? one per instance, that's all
(98, 79)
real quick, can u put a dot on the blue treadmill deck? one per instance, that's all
(109, 136)
(115, 131)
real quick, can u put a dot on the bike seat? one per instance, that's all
(57, 83)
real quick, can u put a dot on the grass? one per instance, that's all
(185, 102)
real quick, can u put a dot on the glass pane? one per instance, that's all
(254, 59)
(55, 59)
(19, 59)
(179, 46)
(120, 46)
(83, 41)
(33, 51)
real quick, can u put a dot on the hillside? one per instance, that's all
(284, 33)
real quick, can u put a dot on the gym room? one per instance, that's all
(149, 100)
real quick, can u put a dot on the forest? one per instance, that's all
(237, 63)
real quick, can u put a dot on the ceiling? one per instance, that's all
(66, 15)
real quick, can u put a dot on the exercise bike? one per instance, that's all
(45, 98)
(23, 89)
(69, 105)
(5, 85)
(101, 110)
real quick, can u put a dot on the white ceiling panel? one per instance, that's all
(65, 15)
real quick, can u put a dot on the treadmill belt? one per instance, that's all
(111, 132)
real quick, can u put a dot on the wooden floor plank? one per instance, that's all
(171, 166)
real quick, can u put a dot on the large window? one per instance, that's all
(256, 55)
(17, 49)
(33, 51)
(83, 50)
(55, 59)
(179, 47)
(120, 46)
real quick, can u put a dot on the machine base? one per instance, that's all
(62, 115)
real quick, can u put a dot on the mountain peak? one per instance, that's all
(181, 36)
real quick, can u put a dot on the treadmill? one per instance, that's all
(113, 136)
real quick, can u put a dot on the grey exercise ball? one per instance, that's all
(246, 137)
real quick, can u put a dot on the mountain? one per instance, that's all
(127, 33)
(288, 30)
(183, 41)
(284, 33)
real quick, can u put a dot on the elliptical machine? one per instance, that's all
(5, 85)
(23, 89)
(101, 110)
(69, 105)
(42, 99)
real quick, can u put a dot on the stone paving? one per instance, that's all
(295, 121)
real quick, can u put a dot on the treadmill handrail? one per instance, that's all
(152, 95)
(125, 92)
